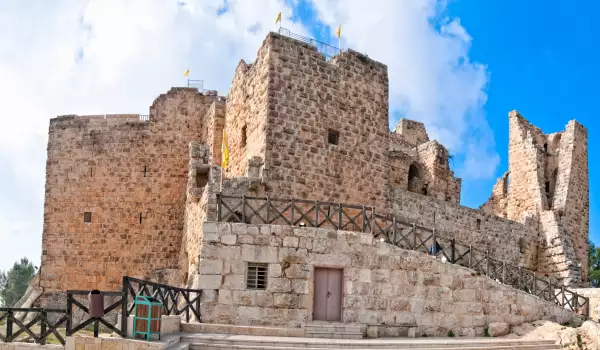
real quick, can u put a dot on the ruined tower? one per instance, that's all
(547, 185)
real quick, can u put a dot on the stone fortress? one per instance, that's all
(137, 196)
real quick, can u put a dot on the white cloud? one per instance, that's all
(431, 76)
(115, 56)
(102, 56)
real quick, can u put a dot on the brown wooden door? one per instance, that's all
(327, 294)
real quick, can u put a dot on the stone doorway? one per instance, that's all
(328, 294)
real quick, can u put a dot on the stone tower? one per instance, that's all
(547, 186)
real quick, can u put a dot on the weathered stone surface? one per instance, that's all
(496, 329)
(415, 290)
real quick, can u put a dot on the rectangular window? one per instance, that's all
(256, 276)
(333, 137)
(87, 216)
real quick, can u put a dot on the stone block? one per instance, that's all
(211, 267)
(496, 329)
(263, 254)
(297, 271)
(243, 297)
(300, 286)
(275, 270)
(290, 241)
(234, 282)
(229, 239)
(279, 285)
(209, 282)
(287, 300)
(225, 297)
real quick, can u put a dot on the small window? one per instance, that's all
(545, 148)
(333, 137)
(244, 129)
(87, 216)
(256, 276)
(145, 170)
(547, 187)
(478, 224)
(140, 218)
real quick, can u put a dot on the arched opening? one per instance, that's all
(414, 178)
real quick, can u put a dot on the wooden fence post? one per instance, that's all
(470, 256)
(414, 231)
(69, 314)
(364, 215)
(394, 229)
(434, 245)
(124, 308)
(340, 218)
(9, 326)
(219, 207)
(292, 214)
(43, 327)
(268, 210)
(487, 262)
(243, 208)
(316, 214)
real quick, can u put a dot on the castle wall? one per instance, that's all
(118, 169)
(548, 182)
(572, 191)
(308, 99)
(506, 240)
(246, 113)
(381, 283)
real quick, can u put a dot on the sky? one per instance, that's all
(458, 65)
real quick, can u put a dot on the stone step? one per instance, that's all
(334, 335)
(227, 341)
(179, 346)
(211, 346)
(194, 327)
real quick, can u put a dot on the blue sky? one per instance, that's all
(547, 72)
(459, 66)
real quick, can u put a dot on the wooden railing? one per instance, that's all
(176, 301)
(38, 329)
(348, 217)
(74, 305)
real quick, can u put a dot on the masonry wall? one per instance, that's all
(507, 240)
(381, 283)
(118, 168)
(547, 183)
(308, 98)
(246, 112)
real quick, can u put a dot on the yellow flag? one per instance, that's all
(278, 18)
(224, 152)
(186, 73)
(338, 32)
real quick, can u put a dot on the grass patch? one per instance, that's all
(579, 342)
(451, 334)
(486, 332)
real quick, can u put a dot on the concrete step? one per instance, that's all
(194, 327)
(179, 346)
(210, 346)
(228, 341)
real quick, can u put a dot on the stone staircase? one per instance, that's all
(212, 341)
(333, 330)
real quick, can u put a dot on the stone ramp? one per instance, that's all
(204, 341)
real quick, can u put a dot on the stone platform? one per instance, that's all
(199, 341)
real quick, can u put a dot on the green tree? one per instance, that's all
(14, 282)
(594, 265)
